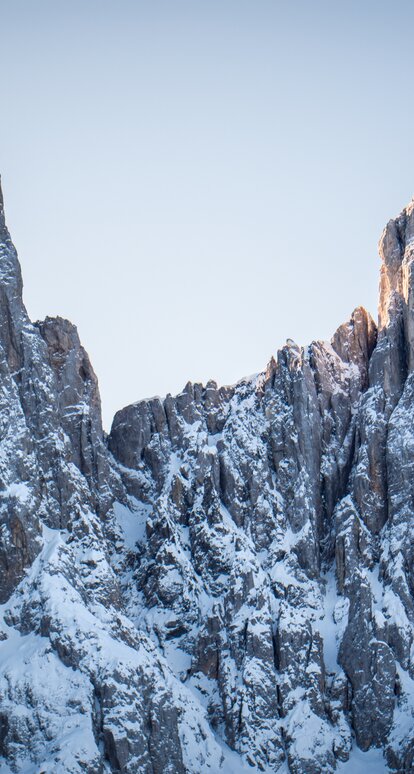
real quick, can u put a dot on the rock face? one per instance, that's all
(226, 582)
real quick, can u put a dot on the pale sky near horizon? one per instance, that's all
(193, 182)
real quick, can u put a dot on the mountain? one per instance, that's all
(225, 583)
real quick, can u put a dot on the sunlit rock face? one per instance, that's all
(225, 583)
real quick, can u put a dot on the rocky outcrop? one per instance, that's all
(226, 582)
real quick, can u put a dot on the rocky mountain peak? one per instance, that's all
(2, 219)
(225, 583)
(396, 252)
(355, 341)
(10, 272)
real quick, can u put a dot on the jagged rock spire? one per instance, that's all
(11, 284)
(396, 249)
(2, 218)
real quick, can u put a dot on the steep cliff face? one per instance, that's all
(226, 583)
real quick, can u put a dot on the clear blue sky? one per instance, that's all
(193, 182)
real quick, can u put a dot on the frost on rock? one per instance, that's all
(225, 583)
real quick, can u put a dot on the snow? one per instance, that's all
(332, 623)
(60, 700)
(370, 762)
(19, 490)
(403, 723)
(132, 522)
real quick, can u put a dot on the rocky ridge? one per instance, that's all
(225, 583)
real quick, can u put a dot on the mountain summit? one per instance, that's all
(226, 582)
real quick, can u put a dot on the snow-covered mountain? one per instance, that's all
(224, 584)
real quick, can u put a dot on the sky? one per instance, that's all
(191, 183)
